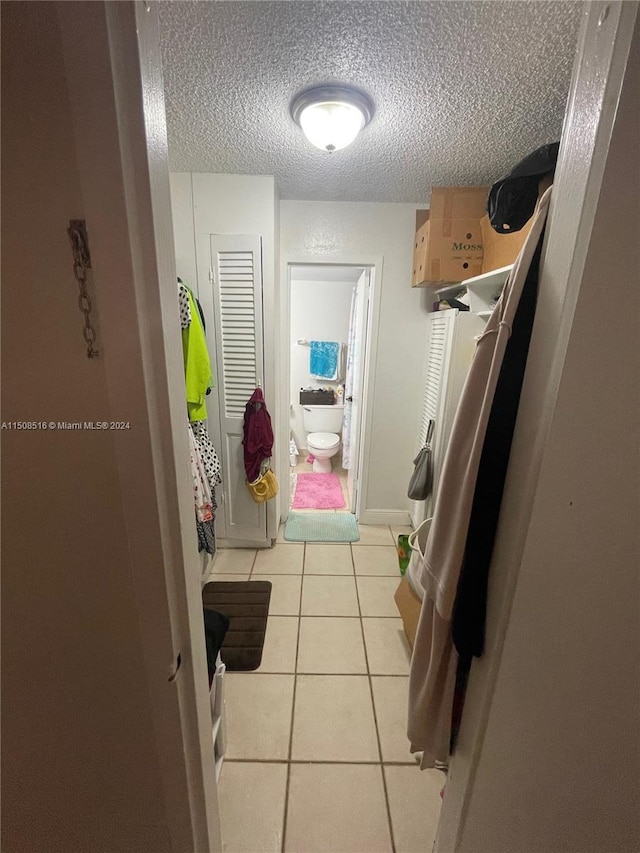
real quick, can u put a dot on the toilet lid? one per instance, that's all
(323, 440)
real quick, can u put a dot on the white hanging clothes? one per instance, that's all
(201, 489)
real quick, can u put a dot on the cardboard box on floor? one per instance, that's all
(408, 605)
(448, 247)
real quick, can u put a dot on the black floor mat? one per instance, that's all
(246, 603)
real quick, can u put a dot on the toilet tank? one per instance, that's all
(323, 418)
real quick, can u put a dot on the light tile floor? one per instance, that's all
(318, 759)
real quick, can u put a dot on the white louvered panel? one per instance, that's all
(236, 283)
(450, 350)
(433, 378)
(236, 263)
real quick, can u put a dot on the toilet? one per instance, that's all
(323, 425)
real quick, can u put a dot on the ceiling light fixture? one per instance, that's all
(331, 116)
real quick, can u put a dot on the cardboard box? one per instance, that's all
(419, 246)
(458, 202)
(420, 243)
(447, 251)
(409, 606)
(454, 251)
(501, 250)
(448, 248)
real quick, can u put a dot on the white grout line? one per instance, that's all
(293, 708)
(375, 720)
(345, 674)
(289, 761)
(307, 761)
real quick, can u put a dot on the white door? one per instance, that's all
(361, 318)
(236, 279)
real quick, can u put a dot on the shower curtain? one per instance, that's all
(348, 385)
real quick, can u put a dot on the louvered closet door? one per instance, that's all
(236, 263)
(439, 338)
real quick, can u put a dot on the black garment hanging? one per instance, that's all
(469, 615)
(512, 199)
(206, 532)
(201, 312)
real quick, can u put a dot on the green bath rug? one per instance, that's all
(321, 527)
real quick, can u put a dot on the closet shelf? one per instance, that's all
(484, 290)
(488, 279)
(451, 290)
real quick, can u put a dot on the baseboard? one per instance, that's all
(393, 517)
(227, 544)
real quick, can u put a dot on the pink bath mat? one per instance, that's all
(318, 491)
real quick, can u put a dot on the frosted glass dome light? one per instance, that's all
(331, 116)
(332, 125)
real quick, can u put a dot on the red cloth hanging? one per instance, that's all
(258, 435)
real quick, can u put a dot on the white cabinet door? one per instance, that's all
(236, 280)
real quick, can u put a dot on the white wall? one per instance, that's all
(320, 311)
(205, 204)
(365, 233)
(184, 235)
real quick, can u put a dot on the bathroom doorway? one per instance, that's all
(329, 325)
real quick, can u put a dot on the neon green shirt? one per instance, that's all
(197, 367)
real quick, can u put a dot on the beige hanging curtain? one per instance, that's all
(434, 659)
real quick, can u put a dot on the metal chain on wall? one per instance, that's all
(77, 232)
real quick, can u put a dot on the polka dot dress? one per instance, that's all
(185, 310)
(210, 458)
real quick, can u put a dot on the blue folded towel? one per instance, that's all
(323, 359)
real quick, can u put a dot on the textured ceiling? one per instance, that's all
(462, 90)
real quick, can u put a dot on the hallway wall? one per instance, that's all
(364, 232)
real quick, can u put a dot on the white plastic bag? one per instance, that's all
(418, 544)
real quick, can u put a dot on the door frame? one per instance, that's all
(359, 378)
(113, 67)
(375, 265)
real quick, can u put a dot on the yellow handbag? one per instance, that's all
(264, 488)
